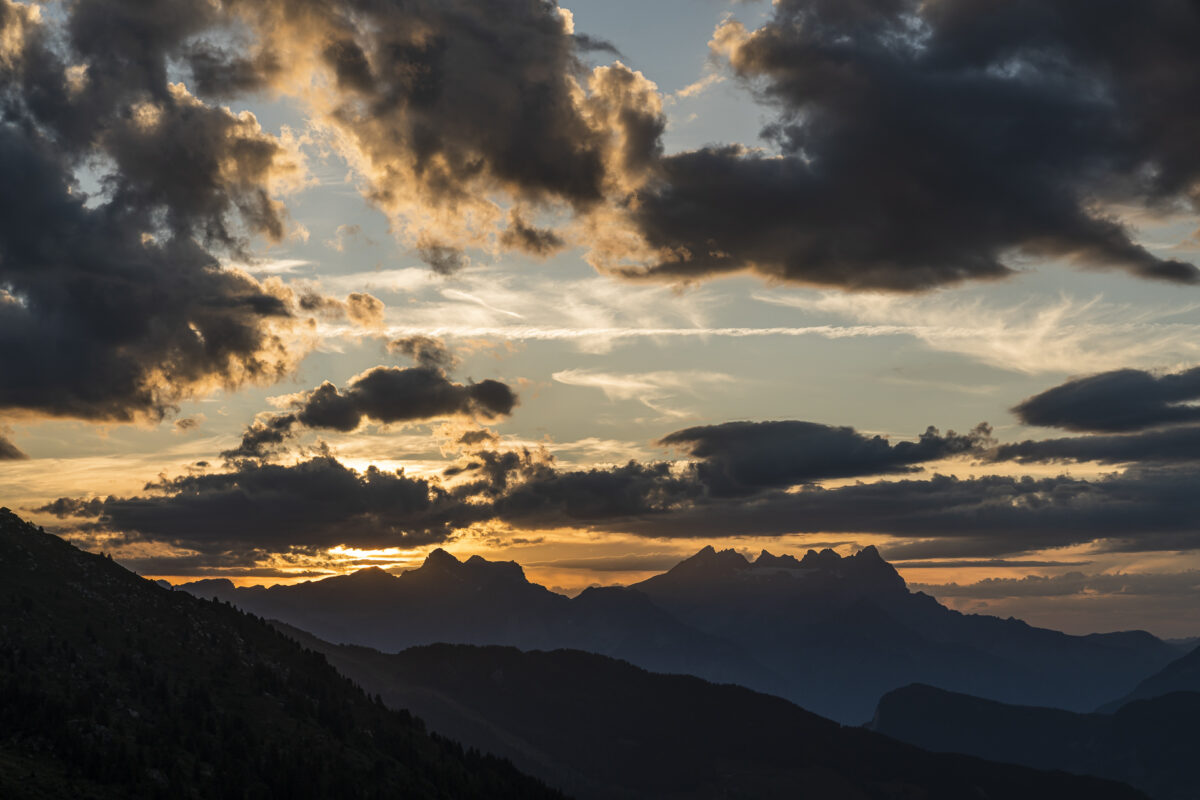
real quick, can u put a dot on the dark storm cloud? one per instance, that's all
(526, 488)
(382, 394)
(97, 323)
(425, 350)
(257, 509)
(391, 394)
(490, 472)
(443, 101)
(741, 458)
(65, 507)
(113, 310)
(200, 164)
(943, 517)
(1143, 509)
(263, 437)
(1156, 446)
(587, 497)
(923, 143)
(453, 89)
(1122, 400)
(221, 72)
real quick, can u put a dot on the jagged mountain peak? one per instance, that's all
(440, 558)
(709, 559)
(509, 570)
(818, 560)
(767, 560)
(826, 571)
(440, 565)
(870, 552)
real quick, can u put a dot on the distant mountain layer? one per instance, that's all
(848, 630)
(1181, 675)
(114, 687)
(832, 634)
(1149, 744)
(601, 728)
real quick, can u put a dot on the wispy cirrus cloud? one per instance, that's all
(1067, 334)
(651, 389)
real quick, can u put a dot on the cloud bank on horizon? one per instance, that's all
(908, 147)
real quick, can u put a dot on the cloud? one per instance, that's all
(446, 109)
(1122, 400)
(1175, 445)
(115, 307)
(520, 235)
(443, 259)
(263, 437)
(1073, 583)
(741, 458)
(9, 451)
(345, 235)
(385, 395)
(1066, 334)
(700, 86)
(365, 310)
(257, 509)
(949, 517)
(925, 144)
(651, 389)
(1140, 510)
(586, 497)
(391, 394)
(97, 322)
(964, 563)
(425, 350)
(914, 145)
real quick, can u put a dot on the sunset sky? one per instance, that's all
(292, 288)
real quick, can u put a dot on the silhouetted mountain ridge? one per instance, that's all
(1181, 675)
(1150, 744)
(846, 630)
(832, 633)
(602, 728)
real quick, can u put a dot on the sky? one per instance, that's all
(290, 289)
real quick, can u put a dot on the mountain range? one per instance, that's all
(1181, 675)
(830, 633)
(1148, 743)
(601, 728)
(114, 687)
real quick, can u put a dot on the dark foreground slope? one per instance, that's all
(602, 728)
(112, 686)
(1150, 744)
